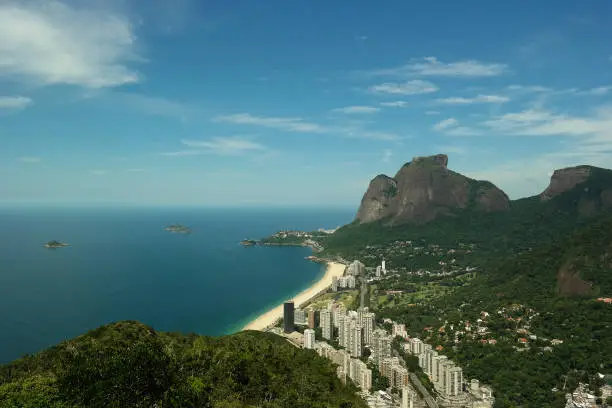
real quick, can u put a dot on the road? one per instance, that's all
(431, 403)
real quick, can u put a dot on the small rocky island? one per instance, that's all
(55, 244)
(248, 242)
(178, 228)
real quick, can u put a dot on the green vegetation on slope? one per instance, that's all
(560, 281)
(128, 364)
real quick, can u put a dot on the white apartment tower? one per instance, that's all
(368, 321)
(381, 345)
(356, 339)
(454, 381)
(309, 338)
(326, 324)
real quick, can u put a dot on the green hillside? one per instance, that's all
(528, 223)
(128, 364)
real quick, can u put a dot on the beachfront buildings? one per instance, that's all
(309, 338)
(299, 317)
(356, 268)
(311, 318)
(326, 324)
(288, 317)
(334, 284)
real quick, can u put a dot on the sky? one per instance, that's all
(300, 103)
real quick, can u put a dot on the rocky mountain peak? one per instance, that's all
(425, 189)
(564, 180)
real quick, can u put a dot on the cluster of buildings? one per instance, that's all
(352, 341)
(354, 332)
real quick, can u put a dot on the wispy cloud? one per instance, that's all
(395, 104)
(450, 149)
(362, 37)
(14, 102)
(290, 124)
(463, 131)
(458, 100)
(222, 146)
(29, 159)
(413, 87)
(445, 124)
(431, 66)
(49, 42)
(431, 112)
(357, 109)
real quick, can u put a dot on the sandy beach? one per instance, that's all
(334, 269)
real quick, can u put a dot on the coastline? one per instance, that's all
(333, 269)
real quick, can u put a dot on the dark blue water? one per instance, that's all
(122, 265)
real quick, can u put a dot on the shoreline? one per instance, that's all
(269, 318)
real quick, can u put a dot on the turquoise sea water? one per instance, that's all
(122, 265)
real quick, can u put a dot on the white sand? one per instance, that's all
(334, 269)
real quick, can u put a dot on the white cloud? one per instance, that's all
(601, 90)
(224, 145)
(395, 104)
(477, 99)
(413, 87)
(299, 125)
(29, 159)
(49, 42)
(357, 109)
(431, 66)
(445, 124)
(430, 112)
(14, 102)
(288, 124)
(528, 88)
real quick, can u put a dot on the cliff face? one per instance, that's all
(425, 189)
(589, 189)
(564, 180)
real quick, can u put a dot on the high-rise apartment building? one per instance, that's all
(288, 317)
(299, 317)
(368, 321)
(454, 381)
(356, 340)
(326, 324)
(334, 284)
(339, 311)
(381, 345)
(311, 318)
(309, 339)
(351, 282)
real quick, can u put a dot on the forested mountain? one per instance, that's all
(128, 364)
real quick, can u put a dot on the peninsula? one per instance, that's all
(178, 228)
(55, 244)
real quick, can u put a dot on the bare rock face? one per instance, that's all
(425, 189)
(564, 180)
(376, 200)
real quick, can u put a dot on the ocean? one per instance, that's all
(121, 265)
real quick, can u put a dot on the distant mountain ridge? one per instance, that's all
(424, 189)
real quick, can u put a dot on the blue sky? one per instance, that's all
(189, 102)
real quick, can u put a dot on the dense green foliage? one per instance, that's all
(552, 257)
(128, 364)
